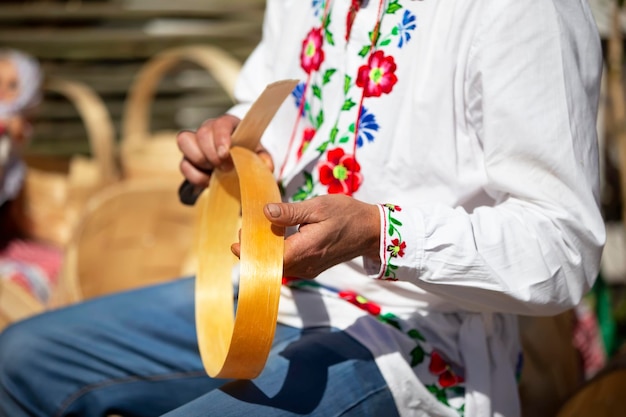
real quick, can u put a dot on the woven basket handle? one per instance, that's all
(97, 121)
(136, 125)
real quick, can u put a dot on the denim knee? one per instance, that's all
(20, 352)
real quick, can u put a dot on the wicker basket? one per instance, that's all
(552, 369)
(145, 154)
(602, 395)
(53, 200)
(136, 232)
(131, 234)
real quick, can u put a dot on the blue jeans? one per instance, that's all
(135, 354)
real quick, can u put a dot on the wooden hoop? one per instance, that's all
(237, 346)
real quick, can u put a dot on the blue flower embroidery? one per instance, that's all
(317, 6)
(405, 28)
(298, 95)
(367, 127)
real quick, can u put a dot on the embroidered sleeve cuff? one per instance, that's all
(401, 246)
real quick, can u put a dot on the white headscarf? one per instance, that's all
(30, 83)
(12, 172)
(12, 168)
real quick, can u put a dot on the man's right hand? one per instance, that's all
(206, 149)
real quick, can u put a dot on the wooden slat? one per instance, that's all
(50, 12)
(108, 80)
(120, 50)
(198, 99)
(101, 35)
(109, 43)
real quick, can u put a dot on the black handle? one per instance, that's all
(188, 193)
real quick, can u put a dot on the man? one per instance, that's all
(439, 160)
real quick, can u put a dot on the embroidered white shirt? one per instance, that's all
(486, 142)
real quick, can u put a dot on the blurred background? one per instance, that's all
(103, 43)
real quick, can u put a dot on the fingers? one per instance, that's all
(292, 214)
(188, 144)
(206, 149)
(332, 229)
(235, 248)
(214, 140)
(283, 214)
(194, 175)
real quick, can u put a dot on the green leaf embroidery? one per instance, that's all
(389, 274)
(317, 92)
(333, 134)
(327, 21)
(443, 398)
(417, 356)
(364, 51)
(327, 33)
(327, 75)
(300, 195)
(390, 319)
(308, 180)
(395, 30)
(439, 393)
(306, 190)
(395, 221)
(351, 128)
(415, 334)
(329, 38)
(393, 7)
(347, 81)
(320, 119)
(385, 42)
(344, 139)
(323, 147)
(348, 104)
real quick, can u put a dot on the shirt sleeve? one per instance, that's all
(531, 98)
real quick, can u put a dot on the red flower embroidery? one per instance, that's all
(307, 136)
(360, 301)
(341, 172)
(438, 366)
(393, 207)
(396, 248)
(378, 76)
(312, 54)
(354, 8)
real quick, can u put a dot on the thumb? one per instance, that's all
(285, 214)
